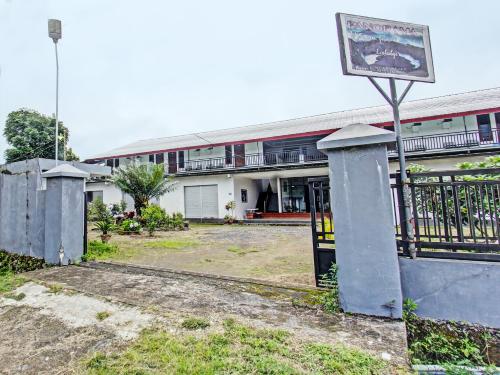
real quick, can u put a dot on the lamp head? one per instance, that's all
(55, 31)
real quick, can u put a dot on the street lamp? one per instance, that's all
(55, 33)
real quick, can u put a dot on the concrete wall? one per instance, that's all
(453, 289)
(22, 213)
(253, 190)
(174, 201)
(37, 215)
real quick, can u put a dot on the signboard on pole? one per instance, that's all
(388, 49)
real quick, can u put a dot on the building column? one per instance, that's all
(365, 243)
(64, 214)
(278, 186)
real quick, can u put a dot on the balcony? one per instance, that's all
(448, 142)
(250, 161)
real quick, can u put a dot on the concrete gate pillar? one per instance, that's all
(64, 213)
(366, 254)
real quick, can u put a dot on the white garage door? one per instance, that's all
(201, 201)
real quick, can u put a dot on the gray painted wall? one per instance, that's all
(453, 289)
(37, 215)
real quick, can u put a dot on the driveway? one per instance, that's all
(273, 253)
(51, 329)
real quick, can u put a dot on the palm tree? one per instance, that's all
(143, 182)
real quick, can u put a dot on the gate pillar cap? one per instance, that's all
(65, 170)
(356, 135)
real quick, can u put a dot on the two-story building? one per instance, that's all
(266, 166)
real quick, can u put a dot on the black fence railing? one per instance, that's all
(252, 160)
(450, 141)
(455, 214)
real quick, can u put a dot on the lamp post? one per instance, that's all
(55, 33)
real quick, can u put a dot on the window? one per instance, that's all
(117, 163)
(181, 159)
(109, 163)
(229, 154)
(244, 195)
(151, 158)
(160, 158)
(92, 195)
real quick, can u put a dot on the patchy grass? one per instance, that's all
(274, 253)
(55, 288)
(195, 323)
(237, 350)
(175, 244)
(240, 251)
(97, 250)
(10, 281)
(14, 296)
(101, 315)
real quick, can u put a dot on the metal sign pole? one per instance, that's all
(394, 101)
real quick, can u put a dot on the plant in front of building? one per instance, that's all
(98, 211)
(105, 226)
(131, 226)
(153, 217)
(230, 207)
(449, 344)
(143, 182)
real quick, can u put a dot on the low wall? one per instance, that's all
(22, 213)
(453, 289)
(42, 209)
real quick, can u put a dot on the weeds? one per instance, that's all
(171, 244)
(101, 315)
(55, 288)
(98, 250)
(195, 323)
(10, 281)
(330, 299)
(14, 296)
(448, 344)
(237, 350)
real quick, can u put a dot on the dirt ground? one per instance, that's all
(274, 253)
(51, 329)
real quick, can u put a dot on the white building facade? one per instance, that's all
(265, 167)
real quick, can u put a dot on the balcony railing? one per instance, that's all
(450, 141)
(250, 160)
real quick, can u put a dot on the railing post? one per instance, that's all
(402, 214)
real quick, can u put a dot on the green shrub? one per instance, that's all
(131, 226)
(176, 221)
(154, 217)
(195, 323)
(98, 211)
(99, 250)
(445, 343)
(330, 299)
(19, 263)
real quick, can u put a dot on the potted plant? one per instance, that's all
(230, 207)
(105, 226)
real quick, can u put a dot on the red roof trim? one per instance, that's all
(295, 135)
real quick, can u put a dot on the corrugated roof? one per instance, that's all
(409, 111)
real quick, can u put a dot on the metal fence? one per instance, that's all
(456, 214)
(323, 236)
(450, 141)
(252, 160)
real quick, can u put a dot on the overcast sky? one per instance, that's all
(133, 70)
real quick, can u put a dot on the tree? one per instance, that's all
(32, 135)
(143, 182)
